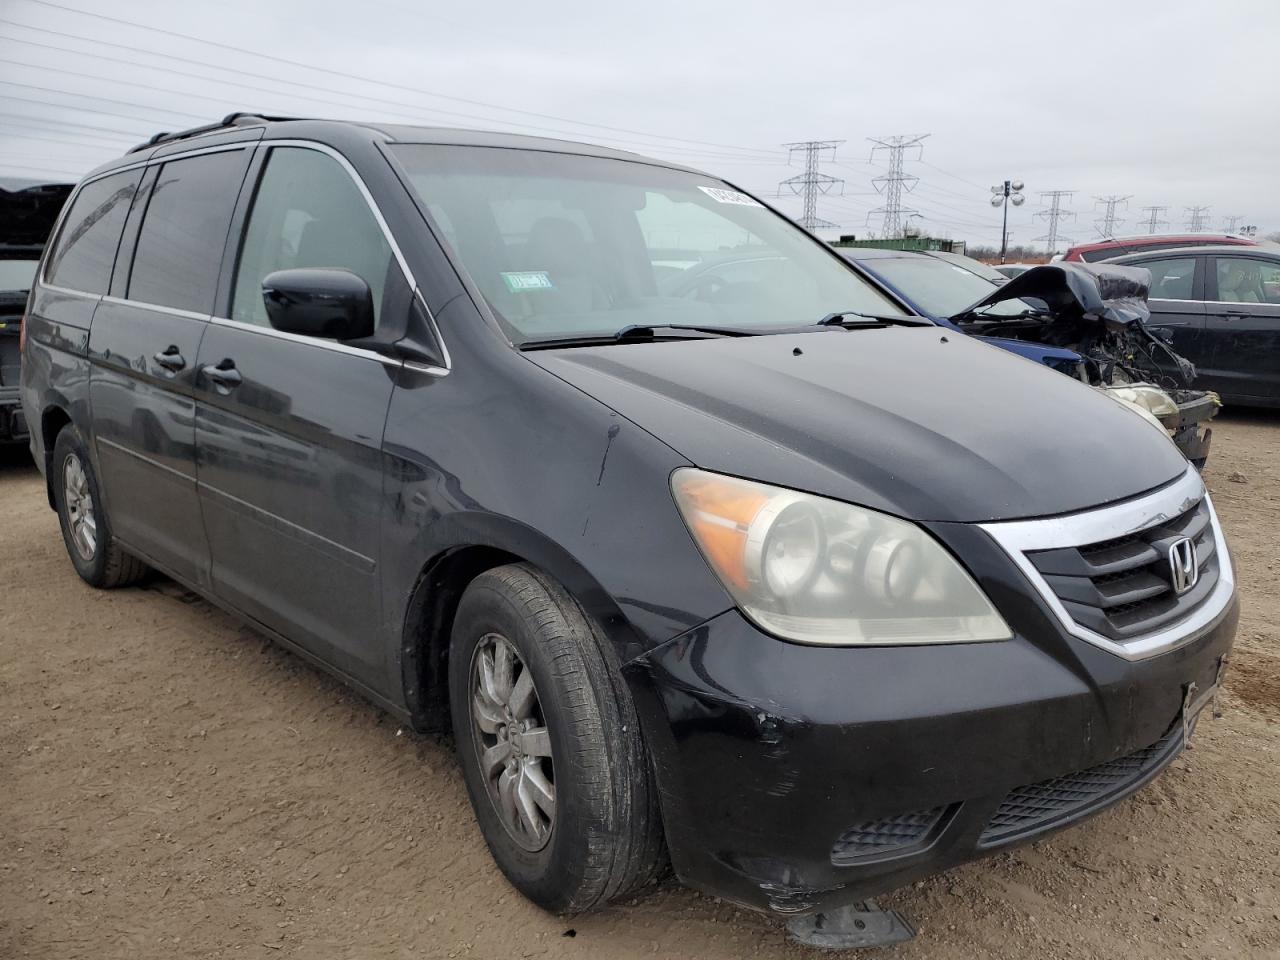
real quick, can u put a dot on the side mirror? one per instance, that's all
(319, 302)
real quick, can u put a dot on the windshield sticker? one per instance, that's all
(720, 195)
(527, 280)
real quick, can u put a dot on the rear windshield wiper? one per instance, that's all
(852, 318)
(638, 333)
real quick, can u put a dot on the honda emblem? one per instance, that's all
(1184, 565)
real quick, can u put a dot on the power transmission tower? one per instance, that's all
(1054, 213)
(1232, 222)
(892, 183)
(1153, 220)
(1197, 219)
(810, 184)
(1108, 222)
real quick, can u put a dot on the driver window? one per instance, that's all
(307, 212)
(1245, 280)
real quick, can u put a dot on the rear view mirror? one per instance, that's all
(319, 302)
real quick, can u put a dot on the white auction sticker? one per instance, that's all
(720, 195)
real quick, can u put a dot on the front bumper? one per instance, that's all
(796, 779)
(1189, 427)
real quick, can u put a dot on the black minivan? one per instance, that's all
(760, 574)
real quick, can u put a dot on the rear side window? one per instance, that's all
(1093, 256)
(183, 233)
(86, 247)
(1171, 279)
(307, 212)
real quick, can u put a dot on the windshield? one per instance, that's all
(565, 246)
(17, 274)
(940, 288)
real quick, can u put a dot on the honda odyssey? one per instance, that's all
(768, 579)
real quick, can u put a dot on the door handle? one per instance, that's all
(223, 375)
(1228, 314)
(171, 359)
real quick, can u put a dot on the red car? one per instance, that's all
(1106, 249)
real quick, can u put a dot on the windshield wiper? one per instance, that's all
(839, 319)
(639, 333)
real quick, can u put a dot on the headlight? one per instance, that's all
(819, 571)
(1146, 399)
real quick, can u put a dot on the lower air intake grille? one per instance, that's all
(875, 838)
(1038, 806)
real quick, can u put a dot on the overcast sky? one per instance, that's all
(1170, 101)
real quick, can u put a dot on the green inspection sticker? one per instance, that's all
(528, 280)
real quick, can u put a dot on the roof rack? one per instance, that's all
(239, 119)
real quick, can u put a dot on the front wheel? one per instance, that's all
(549, 745)
(86, 530)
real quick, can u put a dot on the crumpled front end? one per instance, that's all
(1099, 311)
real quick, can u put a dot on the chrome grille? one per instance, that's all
(1106, 574)
(1122, 587)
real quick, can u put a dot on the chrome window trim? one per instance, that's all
(157, 307)
(71, 292)
(1016, 537)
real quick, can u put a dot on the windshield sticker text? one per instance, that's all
(720, 195)
(527, 280)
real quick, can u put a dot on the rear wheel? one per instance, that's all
(549, 744)
(86, 531)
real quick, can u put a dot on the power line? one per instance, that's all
(811, 183)
(1107, 223)
(1231, 222)
(414, 113)
(892, 183)
(1054, 213)
(1197, 219)
(330, 72)
(1153, 221)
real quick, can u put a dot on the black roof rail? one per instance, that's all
(238, 119)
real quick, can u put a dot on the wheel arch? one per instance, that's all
(476, 543)
(53, 418)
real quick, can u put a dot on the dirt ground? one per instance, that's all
(173, 785)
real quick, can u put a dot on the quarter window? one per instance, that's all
(308, 212)
(184, 231)
(86, 248)
(1171, 279)
(1245, 280)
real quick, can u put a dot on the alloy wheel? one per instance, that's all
(512, 743)
(81, 519)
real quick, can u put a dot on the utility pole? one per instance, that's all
(1054, 213)
(1232, 222)
(810, 184)
(1197, 219)
(1153, 218)
(892, 183)
(1108, 222)
(1001, 196)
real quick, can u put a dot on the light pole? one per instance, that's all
(1001, 196)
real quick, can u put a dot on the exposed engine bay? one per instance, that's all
(1099, 313)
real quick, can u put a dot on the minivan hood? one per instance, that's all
(911, 421)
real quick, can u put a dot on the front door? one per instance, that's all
(289, 428)
(144, 344)
(1243, 329)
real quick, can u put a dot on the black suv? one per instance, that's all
(767, 576)
(28, 210)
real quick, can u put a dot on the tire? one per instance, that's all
(98, 558)
(603, 838)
